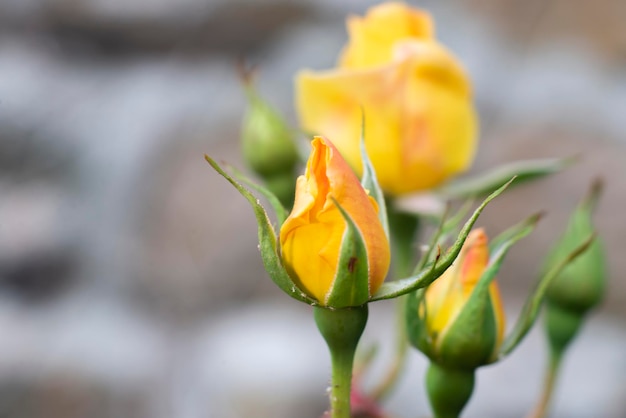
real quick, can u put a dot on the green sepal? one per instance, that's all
(513, 233)
(581, 285)
(415, 320)
(446, 227)
(485, 183)
(369, 181)
(279, 209)
(470, 341)
(267, 240)
(440, 264)
(434, 246)
(351, 285)
(534, 301)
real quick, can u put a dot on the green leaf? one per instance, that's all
(484, 183)
(267, 240)
(370, 182)
(351, 285)
(534, 301)
(279, 209)
(436, 268)
(446, 227)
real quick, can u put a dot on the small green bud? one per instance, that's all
(580, 286)
(266, 141)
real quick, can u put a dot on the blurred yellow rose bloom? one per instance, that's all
(311, 237)
(420, 122)
(447, 296)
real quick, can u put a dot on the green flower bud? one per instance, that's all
(266, 140)
(581, 284)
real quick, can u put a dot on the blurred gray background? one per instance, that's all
(130, 281)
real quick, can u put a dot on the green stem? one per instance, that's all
(389, 382)
(403, 228)
(449, 390)
(552, 371)
(342, 329)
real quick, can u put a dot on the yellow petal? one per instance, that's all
(372, 37)
(498, 307)
(474, 260)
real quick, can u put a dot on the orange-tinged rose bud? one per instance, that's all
(312, 236)
(454, 327)
(447, 296)
(420, 122)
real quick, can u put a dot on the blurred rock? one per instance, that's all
(153, 26)
(197, 236)
(597, 24)
(65, 396)
(37, 257)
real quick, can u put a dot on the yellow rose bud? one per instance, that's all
(420, 122)
(447, 296)
(312, 236)
(475, 341)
